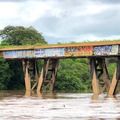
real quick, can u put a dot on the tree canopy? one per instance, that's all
(5, 74)
(11, 73)
(19, 35)
(73, 75)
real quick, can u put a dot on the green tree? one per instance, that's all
(20, 35)
(5, 74)
(73, 75)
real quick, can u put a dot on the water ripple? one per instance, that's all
(62, 107)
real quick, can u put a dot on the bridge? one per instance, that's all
(97, 53)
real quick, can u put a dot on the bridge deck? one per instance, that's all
(101, 48)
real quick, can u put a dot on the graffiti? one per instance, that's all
(106, 50)
(63, 52)
(39, 53)
(79, 51)
(19, 54)
(115, 49)
(49, 52)
(9, 54)
(54, 52)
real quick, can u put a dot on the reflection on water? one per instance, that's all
(61, 106)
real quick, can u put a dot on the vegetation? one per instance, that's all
(73, 74)
(21, 36)
(12, 74)
(5, 74)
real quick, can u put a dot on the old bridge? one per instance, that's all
(96, 52)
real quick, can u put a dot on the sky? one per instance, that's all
(65, 20)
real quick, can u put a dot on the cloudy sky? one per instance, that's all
(65, 20)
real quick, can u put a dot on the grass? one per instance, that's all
(85, 43)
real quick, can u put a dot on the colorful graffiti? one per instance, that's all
(79, 51)
(50, 52)
(63, 52)
(19, 54)
(106, 50)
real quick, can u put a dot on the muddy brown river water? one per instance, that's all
(61, 106)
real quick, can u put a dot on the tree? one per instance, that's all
(20, 35)
(5, 74)
(73, 75)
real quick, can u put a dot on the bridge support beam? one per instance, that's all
(26, 78)
(115, 80)
(49, 74)
(100, 76)
(36, 80)
(40, 82)
(31, 75)
(95, 82)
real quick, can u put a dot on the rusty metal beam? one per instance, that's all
(115, 80)
(105, 75)
(100, 76)
(49, 73)
(113, 85)
(40, 82)
(27, 80)
(95, 82)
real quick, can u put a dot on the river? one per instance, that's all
(61, 106)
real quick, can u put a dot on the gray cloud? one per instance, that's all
(70, 20)
(12, 0)
(102, 24)
(109, 1)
